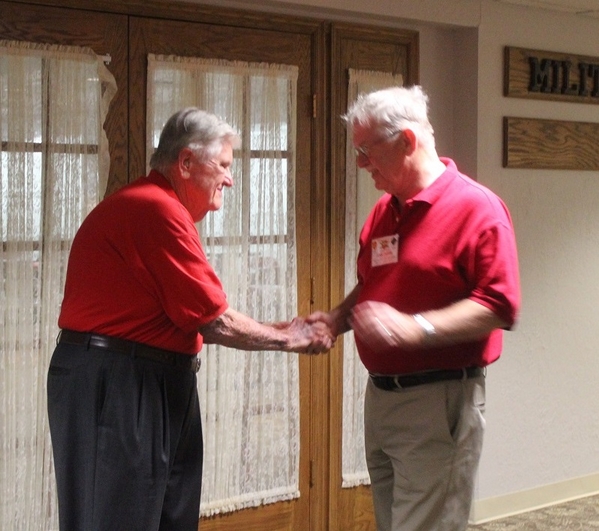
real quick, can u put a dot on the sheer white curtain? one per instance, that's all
(53, 169)
(360, 196)
(249, 401)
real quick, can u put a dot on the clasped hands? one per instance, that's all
(374, 323)
(310, 337)
(381, 326)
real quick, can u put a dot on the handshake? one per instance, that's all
(317, 332)
(375, 323)
(308, 335)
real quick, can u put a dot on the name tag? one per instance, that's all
(384, 250)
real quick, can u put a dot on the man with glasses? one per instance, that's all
(437, 282)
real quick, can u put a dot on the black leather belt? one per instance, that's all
(131, 348)
(392, 383)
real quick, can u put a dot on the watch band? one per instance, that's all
(426, 325)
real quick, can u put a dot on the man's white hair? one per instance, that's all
(201, 131)
(391, 110)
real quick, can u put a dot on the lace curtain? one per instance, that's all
(249, 400)
(53, 169)
(360, 196)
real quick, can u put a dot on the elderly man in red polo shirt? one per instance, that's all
(140, 300)
(437, 282)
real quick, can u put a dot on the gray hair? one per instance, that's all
(202, 132)
(391, 110)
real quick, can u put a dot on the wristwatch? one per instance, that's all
(429, 329)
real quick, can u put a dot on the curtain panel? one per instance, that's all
(249, 400)
(360, 197)
(54, 165)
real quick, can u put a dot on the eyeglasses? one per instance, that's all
(365, 150)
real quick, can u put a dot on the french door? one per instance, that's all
(209, 41)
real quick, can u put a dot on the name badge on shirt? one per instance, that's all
(384, 250)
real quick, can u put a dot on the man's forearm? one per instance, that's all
(341, 314)
(463, 321)
(236, 330)
(338, 319)
(382, 326)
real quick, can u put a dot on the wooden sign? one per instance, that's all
(550, 144)
(551, 76)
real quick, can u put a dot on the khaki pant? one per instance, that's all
(423, 445)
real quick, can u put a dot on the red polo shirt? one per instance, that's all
(455, 240)
(137, 270)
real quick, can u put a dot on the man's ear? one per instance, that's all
(409, 141)
(184, 162)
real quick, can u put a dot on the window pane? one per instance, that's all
(66, 126)
(264, 108)
(17, 74)
(73, 178)
(268, 196)
(21, 196)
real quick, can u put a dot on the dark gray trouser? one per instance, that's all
(127, 442)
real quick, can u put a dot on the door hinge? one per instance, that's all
(314, 105)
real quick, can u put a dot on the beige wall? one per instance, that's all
(543, 401)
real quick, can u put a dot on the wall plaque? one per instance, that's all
(546, 75)
(550, 144)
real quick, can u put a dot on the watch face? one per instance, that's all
(428, 328)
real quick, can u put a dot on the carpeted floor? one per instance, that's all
(577, 515)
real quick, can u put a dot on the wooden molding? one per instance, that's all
(550, 144)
